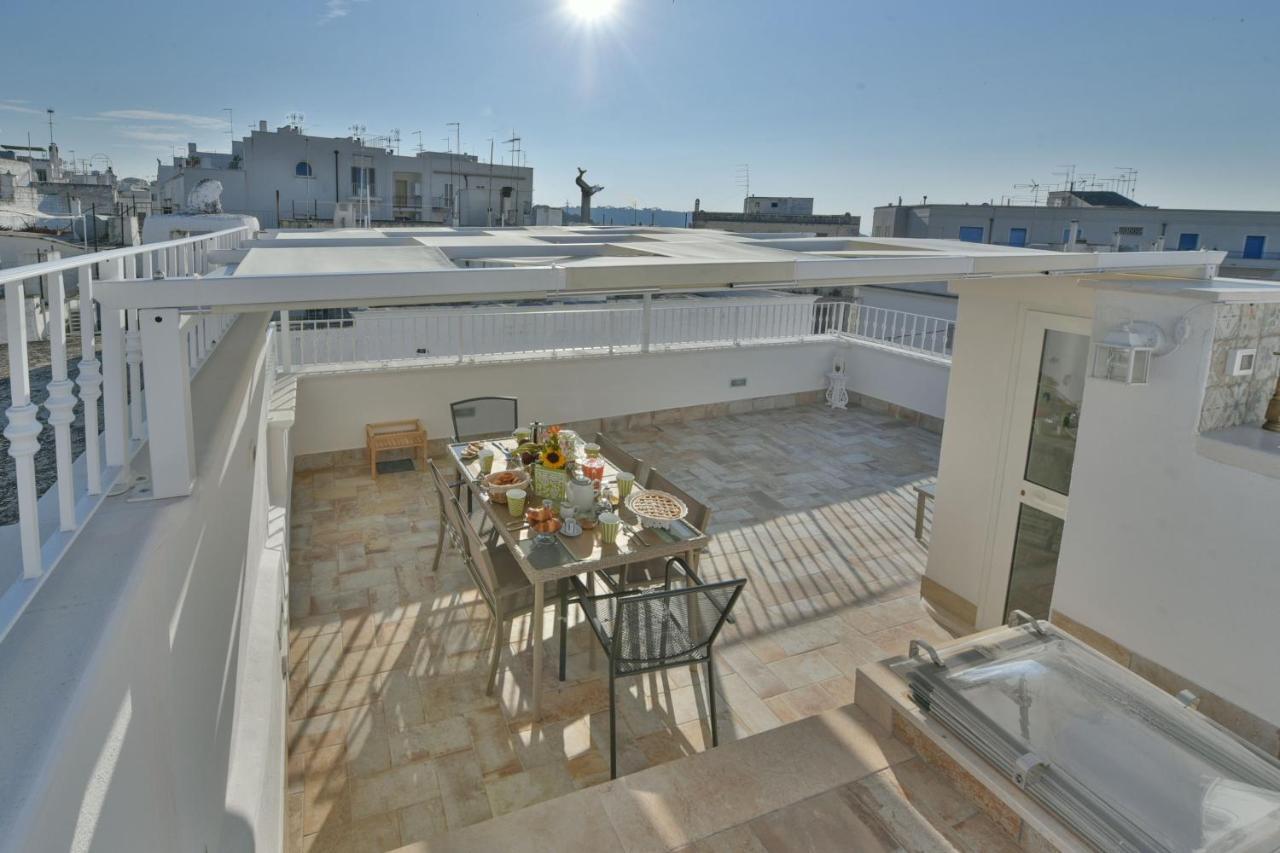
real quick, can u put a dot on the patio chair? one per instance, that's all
(502, 584)
(644, 632)
(621, 459)
(484, 417)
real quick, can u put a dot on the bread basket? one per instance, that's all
(512, 478)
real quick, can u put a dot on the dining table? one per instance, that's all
(558, 557)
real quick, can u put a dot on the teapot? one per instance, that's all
(580, 491)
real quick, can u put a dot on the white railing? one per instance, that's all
(462, 335)
(131, 340)
(903, 330)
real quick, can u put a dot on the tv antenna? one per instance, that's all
(1034, 187)
(295, 120)
(358, 132)
(744, 179)
(418, 134)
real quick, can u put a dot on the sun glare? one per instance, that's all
(590, 11)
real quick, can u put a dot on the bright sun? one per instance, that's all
(589, 11)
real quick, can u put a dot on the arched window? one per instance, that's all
(303, 169)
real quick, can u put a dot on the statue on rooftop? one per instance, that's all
(588, 190)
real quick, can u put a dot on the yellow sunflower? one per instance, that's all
(553, 459)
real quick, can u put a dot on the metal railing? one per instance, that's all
(144, 353)
(903, 330)
(386, 336)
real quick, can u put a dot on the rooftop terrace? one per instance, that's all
(391, 734)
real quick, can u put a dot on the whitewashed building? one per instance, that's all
(286, 175)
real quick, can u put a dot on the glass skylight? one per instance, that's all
(1124, 764)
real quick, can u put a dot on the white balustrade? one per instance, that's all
(119, 378)
(902, 329)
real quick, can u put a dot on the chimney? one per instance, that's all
(191, 149)
(262, 125)
(697, 205)
(1072, 233)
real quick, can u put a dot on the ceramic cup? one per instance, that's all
(625, 481)
(515, 501)
(608, 526)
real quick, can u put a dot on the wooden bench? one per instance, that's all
(923, 494)
(394, 435)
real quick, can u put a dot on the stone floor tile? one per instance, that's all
(508, 793)
(422, 820)
(394, 789)
(462, 789)
(824, 822)
(803, 669)
(429, 740)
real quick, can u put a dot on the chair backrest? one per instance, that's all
(699, 513)
(474, 552)
(481, 417)
(672, 626)
(621, 459)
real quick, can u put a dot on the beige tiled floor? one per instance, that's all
(391, 736)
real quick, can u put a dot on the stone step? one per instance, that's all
(832, 781)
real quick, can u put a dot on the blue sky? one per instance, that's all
(853, 103)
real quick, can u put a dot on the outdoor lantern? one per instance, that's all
(1125, 354)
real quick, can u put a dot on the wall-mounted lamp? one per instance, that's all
(1125, 354)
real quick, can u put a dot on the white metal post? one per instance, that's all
(133, 359)
(23, 429)
(61, 402)
(90, 382)
(646, 322)
(115, 410)
(286, 343)
(171, 441)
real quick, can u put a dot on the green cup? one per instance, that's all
(515, 501)
(486, 460)
(626, 481)
(608, 526)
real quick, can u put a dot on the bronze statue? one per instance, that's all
(588, 190)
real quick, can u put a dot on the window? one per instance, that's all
(42, 175)
(362, 178)
(1254, 245)
(303, 169)
(971, 233)
(1017, 236)
(1188, 242)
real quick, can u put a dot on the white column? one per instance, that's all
(61, 402)
(286, 343)
(90, 382)
(23, 429)
(115, 410)
(171, 441)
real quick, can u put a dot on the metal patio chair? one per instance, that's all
(621, 459)
(504, 587)
(644, 632)
(484, 417)
(649, 572)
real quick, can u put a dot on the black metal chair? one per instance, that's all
(649, 631)
(484, 417)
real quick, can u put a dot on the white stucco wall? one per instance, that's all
(963, 551)
(132, 680)
(333, 409)
(1171, 554)
(905, 379)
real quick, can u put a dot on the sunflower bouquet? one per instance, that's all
(553, 455)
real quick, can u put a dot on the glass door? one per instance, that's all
(1048, 395)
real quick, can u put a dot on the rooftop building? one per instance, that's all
(292, 177)
(979, 584)
(1097, 221)
(777, 215)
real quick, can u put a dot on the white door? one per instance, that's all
(1045, 417)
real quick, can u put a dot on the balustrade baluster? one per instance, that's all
(114, 380)
(61, 402)
(23, 428)
(89, 381)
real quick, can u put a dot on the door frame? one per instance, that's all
(1013, 457)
